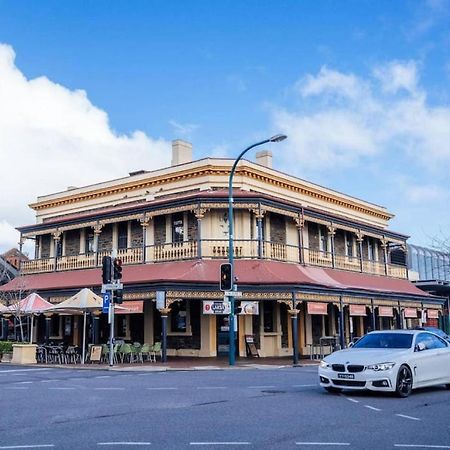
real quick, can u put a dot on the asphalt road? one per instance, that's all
(262, 409)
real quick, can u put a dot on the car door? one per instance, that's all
(442, 360)
(426, 365)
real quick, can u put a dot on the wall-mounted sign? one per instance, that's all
(160, 299)
(432, 313)
(216, 307)
(385, 311)
(410, 313)
(317, 308)
(358, 310)
(130, 307)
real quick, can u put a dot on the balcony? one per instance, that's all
(217, 249)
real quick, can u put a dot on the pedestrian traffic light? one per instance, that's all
(117, 269)
(106, 269)
(226, 277)
(118, 296)
(237, 306)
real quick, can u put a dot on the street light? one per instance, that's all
(276, 138)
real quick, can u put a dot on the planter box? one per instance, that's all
(6, 357)
(24, 354)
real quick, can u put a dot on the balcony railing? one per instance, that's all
(218, 249)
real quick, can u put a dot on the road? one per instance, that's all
(263, 409)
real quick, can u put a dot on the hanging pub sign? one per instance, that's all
(432, 313)
(385, 311)
(317, 308)
(358, 310)
(410, 313)
(130, 307)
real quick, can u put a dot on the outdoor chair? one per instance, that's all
(157, 349)
(146, 352)
(125, 353)
(136, 352)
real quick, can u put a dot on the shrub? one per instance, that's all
(6, 346)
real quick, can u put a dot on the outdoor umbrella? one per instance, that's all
(83, 301)
(30, 306)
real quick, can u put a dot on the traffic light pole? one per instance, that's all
(111, 332)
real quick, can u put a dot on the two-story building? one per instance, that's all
(302, 250)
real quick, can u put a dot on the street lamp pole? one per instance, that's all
(232, 347)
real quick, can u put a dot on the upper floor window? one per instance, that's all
(122, 232)
(177, 228)
(371, 249)
(349, 242)
(323, 239)
(89, 243)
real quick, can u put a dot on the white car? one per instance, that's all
(393, 361)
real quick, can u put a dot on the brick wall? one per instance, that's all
(105, 239)
(339, 243)
(136, 234)
(160, 229)
(72, 242)
(277, 229)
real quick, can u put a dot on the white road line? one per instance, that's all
(161, 388)
(23, 382)
(421, 446)
(352, 400)
(372, 407)
(124, 443)
(323, 443)
(61, 388)
(28, 446)
(21, 370)
(260, 387)
(16, 388)
(211, 387)
(103, 376)
(304, 385)
(109, 389)
(408, 417)
(48, 381)
(220, 443)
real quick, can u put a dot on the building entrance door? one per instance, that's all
(223, 343)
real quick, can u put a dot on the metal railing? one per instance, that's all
(218, 249)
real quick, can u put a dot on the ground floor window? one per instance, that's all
(269, 316)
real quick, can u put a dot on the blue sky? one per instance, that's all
(361, 88)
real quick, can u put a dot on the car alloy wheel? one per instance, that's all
(404, 382)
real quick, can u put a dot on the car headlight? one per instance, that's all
(324, 365)
(381, 366)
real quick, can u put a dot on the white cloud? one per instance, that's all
(53, 137)
(183, 129)
(396, 76)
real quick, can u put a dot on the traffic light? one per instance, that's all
(237, 306)
(106, 269)
(118, 296)
(117, 269)
(226, 277)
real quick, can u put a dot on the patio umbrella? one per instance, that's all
(30, 306)
(83, 301)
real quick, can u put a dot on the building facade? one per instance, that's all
(301, 251)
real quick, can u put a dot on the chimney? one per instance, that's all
(264, 157)
(181, 152)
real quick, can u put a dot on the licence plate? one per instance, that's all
(347, 376)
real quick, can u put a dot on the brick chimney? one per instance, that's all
(264, 157)
(181, 152)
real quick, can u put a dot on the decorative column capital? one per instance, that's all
(164, 311)
(97, 228)
(293, 312)
(48, 315)
(259, 213)
(331, 230)
(200, 213)
(145, 221)
(299, 222)
(57, 235)
(359, 236)
(384, 243)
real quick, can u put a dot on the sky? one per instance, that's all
(92, 90)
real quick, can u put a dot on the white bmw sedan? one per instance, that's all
(394, 361)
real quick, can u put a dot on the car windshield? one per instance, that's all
(385, 340)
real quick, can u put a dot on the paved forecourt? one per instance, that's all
(264, 409)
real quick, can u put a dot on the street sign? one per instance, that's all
(160, 299)
(233, 293)
(111, 287)
(106, 302)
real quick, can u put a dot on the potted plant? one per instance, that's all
(6, 351)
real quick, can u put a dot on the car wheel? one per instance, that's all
(333, 390)
(404, 382)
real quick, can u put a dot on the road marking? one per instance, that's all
(304, 385)
(211, 387)
(220, 443)
(48, 381)
(407, 417)
(124, 443)
(16, 387)
(61, 388)
(21, 370)
(103, 376)
(323, 443)
(162, 388)
(23, 382)
(28, 446)
(372, 407)
(260, 387)
(352, 400)
(421, 446)
(109, 389)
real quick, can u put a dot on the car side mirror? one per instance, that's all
(420, 347)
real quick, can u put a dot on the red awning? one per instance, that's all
(249, 272)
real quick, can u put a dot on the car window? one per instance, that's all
(385, 340)
(430, 341)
